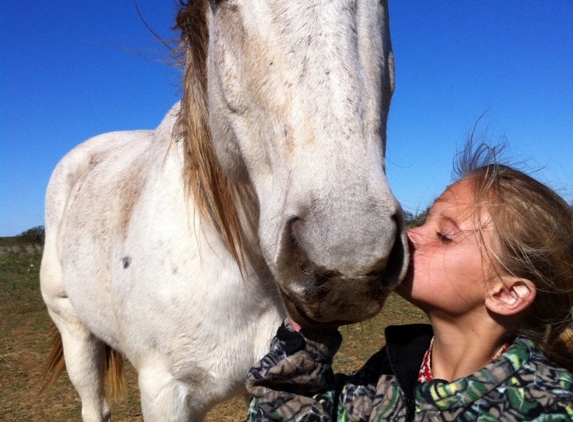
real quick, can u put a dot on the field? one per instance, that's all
(26, 333)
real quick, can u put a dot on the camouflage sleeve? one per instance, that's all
(295, 382)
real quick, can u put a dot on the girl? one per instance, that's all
(492, 267)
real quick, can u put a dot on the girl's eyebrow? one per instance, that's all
(443, 215)
(451, 220)
(459, 225)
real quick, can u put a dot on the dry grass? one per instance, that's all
(25, 331)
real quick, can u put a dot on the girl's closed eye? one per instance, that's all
(442, 237)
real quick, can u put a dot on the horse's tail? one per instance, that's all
(114, 374)
(56, 365)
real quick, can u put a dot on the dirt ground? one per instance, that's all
(26, 332)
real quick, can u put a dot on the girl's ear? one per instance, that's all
(510, 295)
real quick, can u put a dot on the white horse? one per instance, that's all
(264, 191)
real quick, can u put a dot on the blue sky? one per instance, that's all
(70, 70)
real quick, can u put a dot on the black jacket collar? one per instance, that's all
(405, 348)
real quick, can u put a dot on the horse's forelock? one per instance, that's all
(214, 193)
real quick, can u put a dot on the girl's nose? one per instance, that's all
(413, 235)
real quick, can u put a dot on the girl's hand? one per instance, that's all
(294, 325)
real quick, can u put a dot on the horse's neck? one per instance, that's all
(248, 210)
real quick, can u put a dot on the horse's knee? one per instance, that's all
(165, 398)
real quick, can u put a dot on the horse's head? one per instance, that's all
(298, 97)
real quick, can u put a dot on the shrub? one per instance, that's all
(34, 235)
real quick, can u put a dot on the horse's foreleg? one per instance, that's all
(85, 357)
(163, 398)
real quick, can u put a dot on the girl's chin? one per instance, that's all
(406, 292)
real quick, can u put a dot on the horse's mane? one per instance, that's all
(215, 194)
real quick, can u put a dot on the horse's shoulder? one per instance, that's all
(100, 182)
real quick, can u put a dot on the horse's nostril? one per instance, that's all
(294, 223)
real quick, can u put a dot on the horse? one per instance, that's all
(262, 193)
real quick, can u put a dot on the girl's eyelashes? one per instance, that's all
(443, 237)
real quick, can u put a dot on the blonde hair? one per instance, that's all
(533, 228)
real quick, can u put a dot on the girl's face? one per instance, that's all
(448, 273)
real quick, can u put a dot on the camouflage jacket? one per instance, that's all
(295, 382)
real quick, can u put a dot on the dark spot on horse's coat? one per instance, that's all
(126, 261)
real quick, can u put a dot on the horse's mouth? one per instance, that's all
(324, 316)
(300, 316)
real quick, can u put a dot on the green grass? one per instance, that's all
(19, 282)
